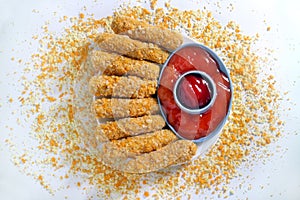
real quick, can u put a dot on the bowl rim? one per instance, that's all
(222, 68)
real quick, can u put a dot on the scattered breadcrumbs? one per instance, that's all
(57, 100)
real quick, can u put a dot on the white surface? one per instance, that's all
(280, 177)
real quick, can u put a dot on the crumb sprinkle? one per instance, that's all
(57, 101)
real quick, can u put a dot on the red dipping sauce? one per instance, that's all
(193, 93)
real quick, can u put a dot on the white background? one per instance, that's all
(280, 176)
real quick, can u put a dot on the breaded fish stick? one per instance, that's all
(132, 48)
(174, 153)
(122, 86)
(121, 108)
(130, 127)
(145, 32)
(114, 64)
(147, 142)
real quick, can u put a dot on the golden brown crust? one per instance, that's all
(113, 64)
(174, 153)
(129, 127)
(142, 31)
(121, 108)
(147, 142)
(122, 86)
(133, 48)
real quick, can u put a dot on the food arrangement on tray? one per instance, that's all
(75, 147)
(142, 125)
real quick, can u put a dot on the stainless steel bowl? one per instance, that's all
(211, 137)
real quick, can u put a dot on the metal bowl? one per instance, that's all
(207, 141)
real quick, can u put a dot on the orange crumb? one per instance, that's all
(53, 143)
(146, 194)
(51, 99)
(81, 15)
(40, 178)
(23, 160)
(153, 4)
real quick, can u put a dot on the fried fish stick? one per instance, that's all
(122, 86)
(145, 32)
(132, 48)
(130, 127)
(174, 153)
(147, 142)
(121, 108)
(114, 64)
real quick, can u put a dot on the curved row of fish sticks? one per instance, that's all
(134, 137)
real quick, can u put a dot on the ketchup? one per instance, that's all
(193, 92)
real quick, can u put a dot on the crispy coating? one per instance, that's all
(174, 153)
(145, 32)
(121, 108)
(129, 127)
(121, 24)
(147, 142)
(122, 86)
(114, 64)
(132, 48)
